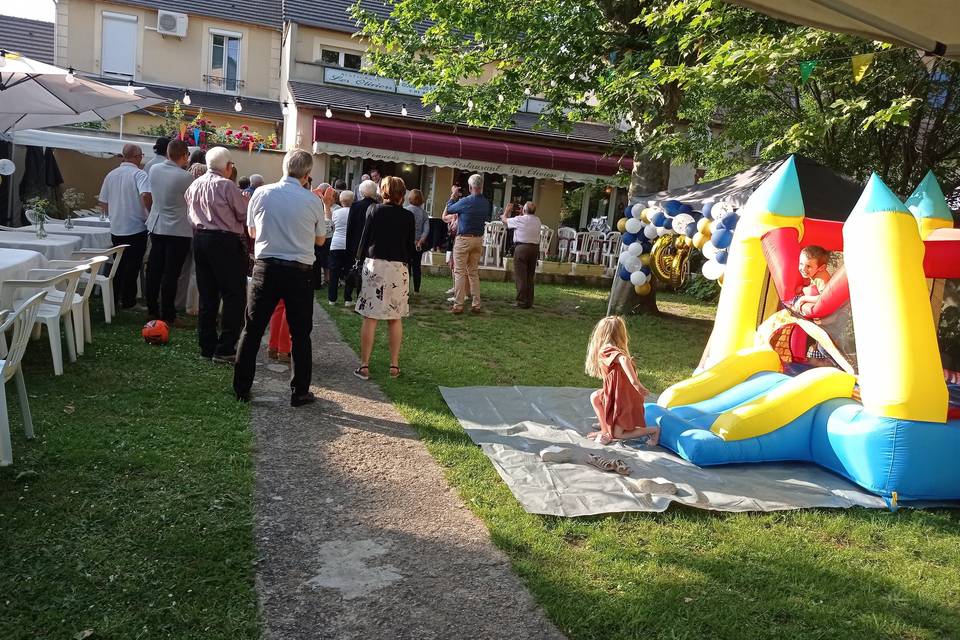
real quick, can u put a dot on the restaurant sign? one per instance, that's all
(332, 75)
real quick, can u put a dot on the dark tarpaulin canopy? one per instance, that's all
(827, 195)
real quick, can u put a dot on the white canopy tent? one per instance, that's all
(930, 25)
(89, 143)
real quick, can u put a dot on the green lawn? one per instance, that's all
(131, 513)
(684, 573)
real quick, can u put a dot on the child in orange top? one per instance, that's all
(813, 266)
(619, 404)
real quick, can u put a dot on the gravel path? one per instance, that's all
(359, 535)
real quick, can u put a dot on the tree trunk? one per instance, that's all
(649, 175)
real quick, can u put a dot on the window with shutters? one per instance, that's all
(118, 48)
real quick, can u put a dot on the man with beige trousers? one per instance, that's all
(471, 213)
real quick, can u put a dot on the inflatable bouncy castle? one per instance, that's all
(854, 382)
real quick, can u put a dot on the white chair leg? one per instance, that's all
(70, 336)
(24, 404)
(106, 291)
(6, 446)
(77, 314)
(56, 349)
(87, 329)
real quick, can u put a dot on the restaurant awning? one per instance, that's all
(397, 144)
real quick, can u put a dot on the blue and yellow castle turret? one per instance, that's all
(776, 204)
(899, 359)
(929, 206)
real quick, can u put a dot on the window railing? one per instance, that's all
(219, 84)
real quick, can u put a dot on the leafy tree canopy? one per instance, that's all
(683, 80)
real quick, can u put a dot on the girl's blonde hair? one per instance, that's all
(609, 331)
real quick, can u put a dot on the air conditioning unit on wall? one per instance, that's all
(171, 23)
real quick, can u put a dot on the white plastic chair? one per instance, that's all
(494, 235)
(50, 314)
(104, 281)
(611, 249)
(83, 329)
(546, 239)
(566, 241)
(21, 321)
(579, 246)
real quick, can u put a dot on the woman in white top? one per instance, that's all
(338, 260)
(526, 251)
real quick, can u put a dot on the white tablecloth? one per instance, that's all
(92, 221)
(15, 264)
(53, 247)
(92, 237)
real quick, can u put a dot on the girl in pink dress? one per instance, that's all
(619, 404)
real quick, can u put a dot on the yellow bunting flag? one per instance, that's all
(860, 65)
(183, 130)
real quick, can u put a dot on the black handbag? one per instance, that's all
(354, 278)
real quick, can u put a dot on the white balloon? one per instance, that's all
(712, 269)
(7, 167)
(633, 264)
(650, 232)
(624, 257)
(664, 231)
(635, 248)
(636, 209)
(680, 222)
(634, 225)
(709, 251)
(638, 278)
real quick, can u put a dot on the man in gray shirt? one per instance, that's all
(286, 221)
(170, 231)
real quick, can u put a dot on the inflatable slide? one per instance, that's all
(873, 405)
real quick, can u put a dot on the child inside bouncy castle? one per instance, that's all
(813, 267)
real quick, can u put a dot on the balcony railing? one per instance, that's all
(219, 84)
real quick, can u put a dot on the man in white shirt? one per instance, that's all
(526, 251)
(170, 231)
(286, 220)
(125, 197)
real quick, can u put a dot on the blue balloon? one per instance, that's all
(672, 207)
(667, 222)
(685, 208)
(730, 221)
(658, 219)
(645, 269)
(722, 255)
(628, 212)
(647, 246)
(629, 239)
(623, 273)
(691, 230)
(720, 225)
(707, 206)
(722, 238)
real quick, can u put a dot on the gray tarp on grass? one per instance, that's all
(513, 424)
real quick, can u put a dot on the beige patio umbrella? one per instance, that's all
(930, 25)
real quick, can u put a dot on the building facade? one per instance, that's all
(295, 70)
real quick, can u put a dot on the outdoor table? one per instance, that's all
(92, 221)
(92, 237)
(53, 247)
(15, 264)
